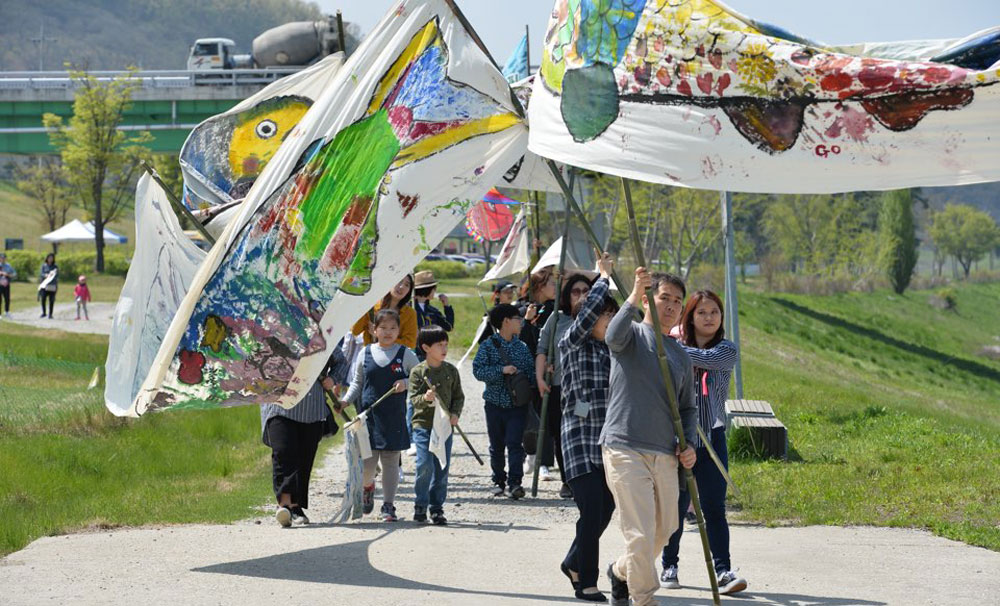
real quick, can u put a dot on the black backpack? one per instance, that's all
(517, 384)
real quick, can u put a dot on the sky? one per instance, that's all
(500, 23)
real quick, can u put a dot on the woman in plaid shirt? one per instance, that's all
(586, 364)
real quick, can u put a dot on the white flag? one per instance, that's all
(514, 256)
(483, 326)
(440, 432)
(164, 263)
(357, 448)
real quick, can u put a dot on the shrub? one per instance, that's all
(945, 298)
(26, 263)
(743, 445)
(444, 270)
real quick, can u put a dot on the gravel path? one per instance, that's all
(495, 551)
(64, 318)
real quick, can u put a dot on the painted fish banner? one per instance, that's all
(690, 93)
(222, 156)
(163, 266)
(417, 123)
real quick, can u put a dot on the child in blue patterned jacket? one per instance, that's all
(504, 418)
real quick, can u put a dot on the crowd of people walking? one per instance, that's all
(608, 424)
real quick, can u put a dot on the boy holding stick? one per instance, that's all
(433, 380)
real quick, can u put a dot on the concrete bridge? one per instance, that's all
(166, 103)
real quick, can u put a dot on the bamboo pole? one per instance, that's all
(177, 204)
(459, 429)
(551, 348)
(385, 396)
(571, 201)
(661, 354)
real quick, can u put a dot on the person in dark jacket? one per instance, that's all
(424, 287)
(48, 283)
(500, 355)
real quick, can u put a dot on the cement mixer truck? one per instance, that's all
(290, 45)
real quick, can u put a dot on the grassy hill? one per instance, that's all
(151, 34)
(23, 219)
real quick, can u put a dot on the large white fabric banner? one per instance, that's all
(164, 263)
(690, 93)
(416, 125)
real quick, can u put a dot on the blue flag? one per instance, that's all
(517, 64)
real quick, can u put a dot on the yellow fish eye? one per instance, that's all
(266, 129)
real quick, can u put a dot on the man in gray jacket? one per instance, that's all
(639, 447)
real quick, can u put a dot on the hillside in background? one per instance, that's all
(984, 196)
(151, 34)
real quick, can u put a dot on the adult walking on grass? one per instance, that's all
(48, 283)
(293, 434)
(639, 448)
(586, 367)
(7, 275)
(703, 338)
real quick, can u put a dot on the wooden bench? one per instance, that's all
(757, 416)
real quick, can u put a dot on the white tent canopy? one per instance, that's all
(78, 231)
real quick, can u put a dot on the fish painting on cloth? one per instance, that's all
(417, 123)
(223, 156)
(691, 93)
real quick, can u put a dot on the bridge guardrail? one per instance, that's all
(151, 78)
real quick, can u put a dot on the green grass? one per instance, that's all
(68, 464)
(892, 419)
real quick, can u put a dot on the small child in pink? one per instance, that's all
(82, 296)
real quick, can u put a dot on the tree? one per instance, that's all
(46, 183)
(676, 224)
(824, 234)
(964, 232)
(897, 233)
(100, 159)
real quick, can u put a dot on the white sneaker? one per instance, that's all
(543, 474)
(412, 450)
(529, 464)
(283, 516)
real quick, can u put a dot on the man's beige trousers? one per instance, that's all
(645, 489)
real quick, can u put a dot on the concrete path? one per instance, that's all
(64, 318)
(494, 552)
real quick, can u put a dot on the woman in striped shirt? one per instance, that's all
(713, 357)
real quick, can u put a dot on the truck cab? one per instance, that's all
(211, 54)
